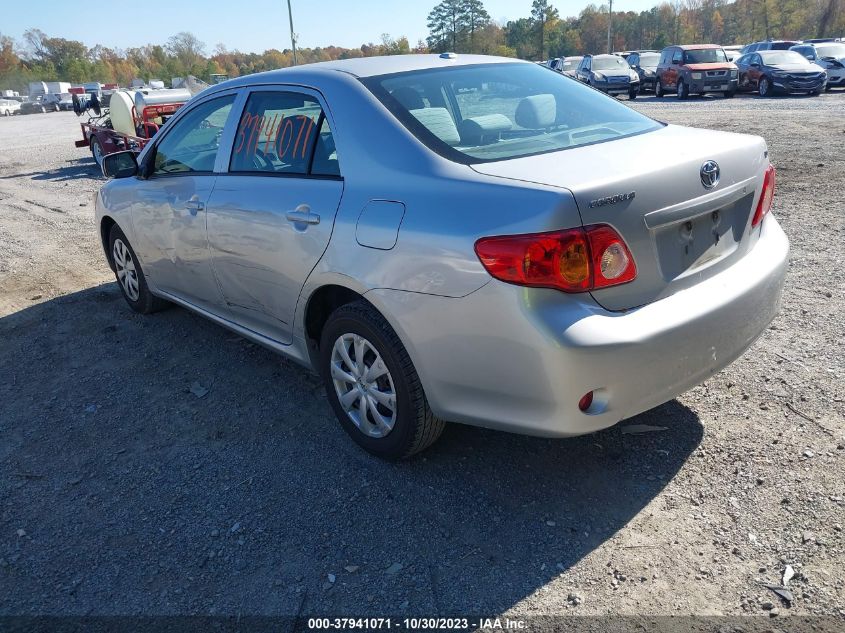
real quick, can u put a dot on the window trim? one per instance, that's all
(147, 159)
(325, 113)
(432, 143)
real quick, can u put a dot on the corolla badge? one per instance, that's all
(621, 197)
(710, 174)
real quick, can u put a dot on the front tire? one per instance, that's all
(658, 89)
(372, 385)
(632, 93)
(683, 90)
(130, 277)
(730, 94)
(764, 87)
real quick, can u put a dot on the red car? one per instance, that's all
(695, 69)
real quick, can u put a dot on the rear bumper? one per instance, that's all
(519, 359)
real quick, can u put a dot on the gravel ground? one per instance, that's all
(121, 492)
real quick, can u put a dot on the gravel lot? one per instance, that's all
(122, 492)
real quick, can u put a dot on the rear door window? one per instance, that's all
(278, 133)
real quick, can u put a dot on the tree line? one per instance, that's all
(461, 26)
(465, 26)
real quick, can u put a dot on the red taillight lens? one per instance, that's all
(768, 193)
(575, 260)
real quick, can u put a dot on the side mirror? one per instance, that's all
(120, 165)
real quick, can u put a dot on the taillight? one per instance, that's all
(768, 193)
(574, 260)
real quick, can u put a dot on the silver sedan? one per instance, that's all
(461, 238)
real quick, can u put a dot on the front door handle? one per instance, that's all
(194, 206)
(302, 217)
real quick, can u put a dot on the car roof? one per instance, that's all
(604, 55)
(370, 66)
(695, 47)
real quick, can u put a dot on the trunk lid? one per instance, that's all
(679, 232)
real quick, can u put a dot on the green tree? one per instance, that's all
(543, 14)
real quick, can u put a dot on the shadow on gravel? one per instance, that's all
(75, 169)
(121, 491)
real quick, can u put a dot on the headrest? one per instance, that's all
(439, 122)
(475, 129)
(537, 112)
(408, 97)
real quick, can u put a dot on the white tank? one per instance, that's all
(158, 97)
(120, 112)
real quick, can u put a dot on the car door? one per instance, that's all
(755, 70)
(673, 72)
(169, 216)
(271, 215)
(583, 73)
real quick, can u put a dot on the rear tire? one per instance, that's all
(407, 424)
(130, 277)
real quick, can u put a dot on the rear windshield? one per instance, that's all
(609, 63)
(569, 64)
(705, 56)
(782, 57)
(780, 46)
(489, 112)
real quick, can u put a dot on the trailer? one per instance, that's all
(129, 122)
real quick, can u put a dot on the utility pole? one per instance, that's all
(292, 34)
(609, 28)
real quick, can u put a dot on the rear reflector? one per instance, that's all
(766, 196)
(574, 260)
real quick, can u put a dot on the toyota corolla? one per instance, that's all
(453, 238)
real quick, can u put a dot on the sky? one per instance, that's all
(250, 25)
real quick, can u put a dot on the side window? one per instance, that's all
(276, 134)
(756, 59)
(325, 155)
(677, 56)
(191, 146)
(633, 60)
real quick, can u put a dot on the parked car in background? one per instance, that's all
(32, 106)
(733, 52)
(58, 101)
(788, 72)
(414, 233)
(609, 73)
(830, 55)
(695, 69)
(570, 64)
(769, 45)
(645, 65)
(9, 107)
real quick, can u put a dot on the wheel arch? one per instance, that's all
(106, 224)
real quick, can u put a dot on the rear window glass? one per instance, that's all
(500, 111)
(705, 56)
(830, 50)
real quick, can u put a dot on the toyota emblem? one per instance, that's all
(710, 174)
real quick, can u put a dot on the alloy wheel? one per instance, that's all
(124, 267)
(363, 385)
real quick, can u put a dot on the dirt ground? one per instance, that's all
(122, 492)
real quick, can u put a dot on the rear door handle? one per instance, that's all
(302, 217)
(194, 205)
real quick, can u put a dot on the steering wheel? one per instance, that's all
(261, 162)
